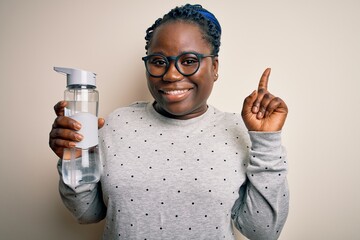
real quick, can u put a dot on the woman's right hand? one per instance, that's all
(64, 131)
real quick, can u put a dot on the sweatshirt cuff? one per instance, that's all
(265, 140)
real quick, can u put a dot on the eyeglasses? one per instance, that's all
(187, 63)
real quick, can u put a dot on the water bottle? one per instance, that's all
(81, 164)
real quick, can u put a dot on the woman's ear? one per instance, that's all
(216, 68)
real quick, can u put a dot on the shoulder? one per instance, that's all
(127, 114)
(229, 119)
(230, 125)
(123, 117)
(132, 108)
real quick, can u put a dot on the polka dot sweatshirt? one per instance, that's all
(164, 178)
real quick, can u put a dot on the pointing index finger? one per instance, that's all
(263, 83)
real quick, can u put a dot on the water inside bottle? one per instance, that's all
(82, 169)
(74, 107)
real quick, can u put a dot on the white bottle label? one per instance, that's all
(89, 129)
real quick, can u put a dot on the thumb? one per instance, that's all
(248, 103)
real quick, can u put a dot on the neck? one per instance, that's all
(185, 116)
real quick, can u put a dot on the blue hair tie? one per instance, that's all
(210, 17)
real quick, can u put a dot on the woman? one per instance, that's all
(178, 168)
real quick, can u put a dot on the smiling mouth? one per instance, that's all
(175, 92)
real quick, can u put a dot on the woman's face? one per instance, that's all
(178, 96)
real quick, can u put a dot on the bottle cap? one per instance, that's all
(78, 76)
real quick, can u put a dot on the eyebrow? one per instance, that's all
(182, 52)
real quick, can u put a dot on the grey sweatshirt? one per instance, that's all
(184, 179)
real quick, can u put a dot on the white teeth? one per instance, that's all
(176, 92)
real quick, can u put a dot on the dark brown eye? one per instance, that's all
(189, 60)
(157, 61)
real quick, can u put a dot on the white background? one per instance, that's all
(313, 48)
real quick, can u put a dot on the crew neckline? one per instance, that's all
(179, 122)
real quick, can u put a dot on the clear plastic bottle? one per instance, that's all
(81, 164)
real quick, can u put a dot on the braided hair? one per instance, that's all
(195, 14)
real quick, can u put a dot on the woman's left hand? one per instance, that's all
(262, 111)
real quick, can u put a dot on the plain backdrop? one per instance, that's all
(313, 48)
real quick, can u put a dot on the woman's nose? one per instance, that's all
(172, 74)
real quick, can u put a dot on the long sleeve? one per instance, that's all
(84, 202)
(262, 208)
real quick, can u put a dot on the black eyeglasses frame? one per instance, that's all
(175, 59)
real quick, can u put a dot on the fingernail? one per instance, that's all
(259, 115)
(77, 126)
(79, 137)
(72, 144)
(255, 109)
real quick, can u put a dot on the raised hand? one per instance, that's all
(262, 111)
(63, 133)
